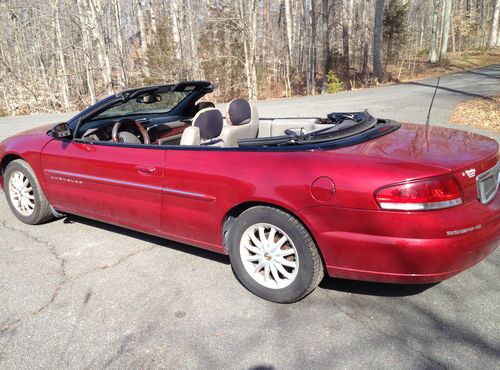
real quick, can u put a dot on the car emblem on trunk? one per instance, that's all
(471, 173)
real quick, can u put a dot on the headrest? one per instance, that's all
(209, 121)
(205, 104)
(239, 112)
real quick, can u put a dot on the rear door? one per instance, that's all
(116, 183)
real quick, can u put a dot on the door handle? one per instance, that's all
(145, 170)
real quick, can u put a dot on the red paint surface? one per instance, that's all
(185, 195)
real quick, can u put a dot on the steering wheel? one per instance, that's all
(122, 137)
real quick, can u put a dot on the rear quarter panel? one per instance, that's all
(225, 179)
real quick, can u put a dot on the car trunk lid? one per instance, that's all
(465, 154)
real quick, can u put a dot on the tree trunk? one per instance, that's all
(196, 70)
(253, 49)
(102, 50)
(434, 39)
(365, 43)
(176, 34)
(446, 31)
(306, 47)
(378, 40)
(346, 14)
(63, 74)
(313, 47)
(247, 11)
(325, 46)
(143, 37)
(289, 28)
(87, 49)
(494, 42)
(154, 27)
(122, 71)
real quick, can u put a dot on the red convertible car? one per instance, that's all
(287, 198)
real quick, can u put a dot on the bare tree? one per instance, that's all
(378, 40)
(247, 11)
(494, 28)
(64, 54)
(313, 55)
(346, 19)
(326, 45)
(176, 33)
(446, 30)
(60, 52)
(434, 32)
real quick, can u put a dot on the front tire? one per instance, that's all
(24, 194)
(273, 255)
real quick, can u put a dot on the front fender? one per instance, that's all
(27, 148)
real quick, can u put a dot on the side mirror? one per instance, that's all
(61, 131)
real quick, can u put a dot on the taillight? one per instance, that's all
(438, 193)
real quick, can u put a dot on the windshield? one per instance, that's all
(147, 103)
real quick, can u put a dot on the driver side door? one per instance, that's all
(116, 183)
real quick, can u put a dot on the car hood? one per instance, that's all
(431, 145)
(37, 130)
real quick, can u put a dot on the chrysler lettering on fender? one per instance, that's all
(65, 179)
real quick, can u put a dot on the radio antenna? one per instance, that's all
(432, 102)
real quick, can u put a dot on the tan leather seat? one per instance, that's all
(242, 122)
(205, 129)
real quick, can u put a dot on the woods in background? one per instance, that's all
(59, 55)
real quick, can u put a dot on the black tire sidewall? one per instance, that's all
(298, 288)
(39, 198)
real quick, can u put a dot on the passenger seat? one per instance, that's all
(205, 129)
(242, 122)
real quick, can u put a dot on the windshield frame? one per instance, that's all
(198, 90)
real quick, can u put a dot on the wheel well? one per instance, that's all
(234, 212)
(5, 161)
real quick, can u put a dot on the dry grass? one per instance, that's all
(482, 113)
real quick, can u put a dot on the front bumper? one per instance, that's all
(404, 247)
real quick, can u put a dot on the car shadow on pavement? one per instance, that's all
(195, 251)
(455, 91)
(340, 285)
(373, 289)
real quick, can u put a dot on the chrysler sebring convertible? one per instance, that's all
(288, 199)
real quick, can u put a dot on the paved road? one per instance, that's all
(76, 293)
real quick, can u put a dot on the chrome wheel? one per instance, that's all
(21, 194)
(269, 256)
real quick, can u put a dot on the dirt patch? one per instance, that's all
(482, 113)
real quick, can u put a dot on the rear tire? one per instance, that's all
(273, 255)
(24, 194)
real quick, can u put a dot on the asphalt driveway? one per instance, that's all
(76, 293)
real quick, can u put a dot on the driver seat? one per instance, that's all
(205, 129)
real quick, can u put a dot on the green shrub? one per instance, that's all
(333, 84)
(423, 52)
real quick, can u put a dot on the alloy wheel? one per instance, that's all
(269, 256)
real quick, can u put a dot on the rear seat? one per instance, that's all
(277, 126)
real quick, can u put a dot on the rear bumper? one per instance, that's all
(405, 247)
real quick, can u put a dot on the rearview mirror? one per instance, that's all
(149, 99)
(61, 131)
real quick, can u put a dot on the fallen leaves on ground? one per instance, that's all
(483, 113)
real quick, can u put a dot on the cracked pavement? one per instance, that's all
(76, 293)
